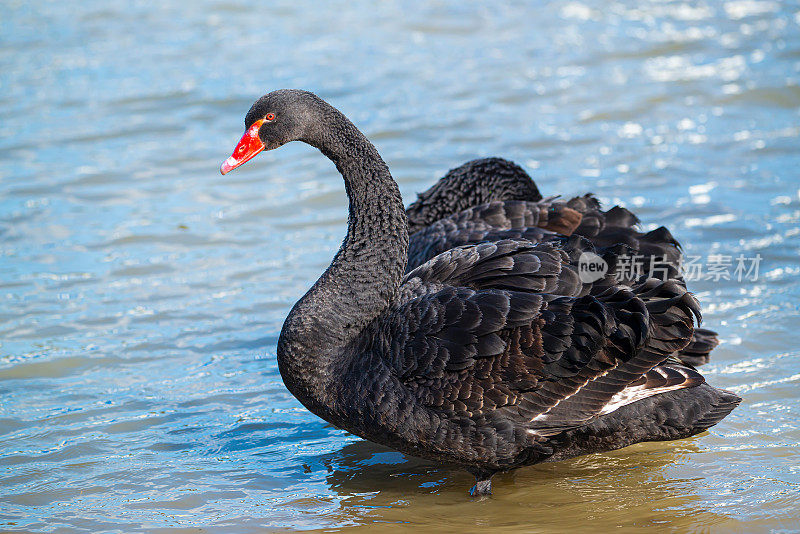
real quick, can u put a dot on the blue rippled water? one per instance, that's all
(142, 293)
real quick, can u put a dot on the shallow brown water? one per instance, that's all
(142, 293)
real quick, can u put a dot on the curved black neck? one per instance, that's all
(365, 274)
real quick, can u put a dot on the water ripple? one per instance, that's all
(143, 293)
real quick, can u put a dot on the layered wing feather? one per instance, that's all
(630, 253)
(534, 221)
(505, 335)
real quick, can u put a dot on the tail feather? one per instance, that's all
(724, 404)
(672, 415)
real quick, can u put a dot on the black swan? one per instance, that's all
(488, 356)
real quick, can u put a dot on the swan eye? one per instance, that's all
(270, 117)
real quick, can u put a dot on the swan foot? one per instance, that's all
(481, 487)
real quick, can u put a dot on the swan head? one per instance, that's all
(274, 120)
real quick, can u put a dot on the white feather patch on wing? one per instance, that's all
(632, 394)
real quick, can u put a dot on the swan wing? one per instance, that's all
(536, 220)
(505, 335)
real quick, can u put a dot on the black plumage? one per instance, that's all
(473, 183)
(509, 213)
(489, 355)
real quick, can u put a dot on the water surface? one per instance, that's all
(142, 293)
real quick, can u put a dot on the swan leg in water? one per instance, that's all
(483, 484)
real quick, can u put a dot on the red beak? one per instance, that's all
(249, 146)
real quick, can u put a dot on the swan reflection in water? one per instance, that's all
(630, 487)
